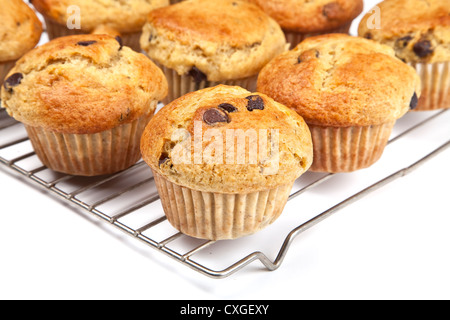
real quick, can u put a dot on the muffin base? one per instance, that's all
(181, 85)
(294, 38)
(347, 149)
(435, 79)
(219, 216)
(5, 68)
(56, 30)
(96, 154)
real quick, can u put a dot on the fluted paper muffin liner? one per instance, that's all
(219, 216)
(56, 30)
(435, 78)
(346, 149)
(5, 67)
(294, 38)
(180, 85)
(96, 154)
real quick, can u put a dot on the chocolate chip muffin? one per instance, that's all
(300, 19)
(203, 43)
(349, 90)
(20, 31)
(70, 17)
(419, 32)
(84, 101)
(225, 159)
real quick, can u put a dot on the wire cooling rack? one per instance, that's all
(129, 200)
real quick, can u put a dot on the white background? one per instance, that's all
(392, 244)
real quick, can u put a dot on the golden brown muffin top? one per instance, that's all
(311, 15)
(340, 80)
(208, 126)
(20, 29)
(82, 84)
(418, 30)
(123, 16)
(224, 39)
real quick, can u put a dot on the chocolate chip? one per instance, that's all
(307, 56)
(197, 75)
(331, 10)
(86, 43)
(368, 35)
(423, 48)
(403, 41)
(214, 116)
(254, 45)
(228, 107)
(13, 81)
(414, 101)
(163, 158)
(255, 102)
(119, 40)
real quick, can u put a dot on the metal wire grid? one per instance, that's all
(71, 188)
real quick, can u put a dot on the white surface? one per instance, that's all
(392, 244)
